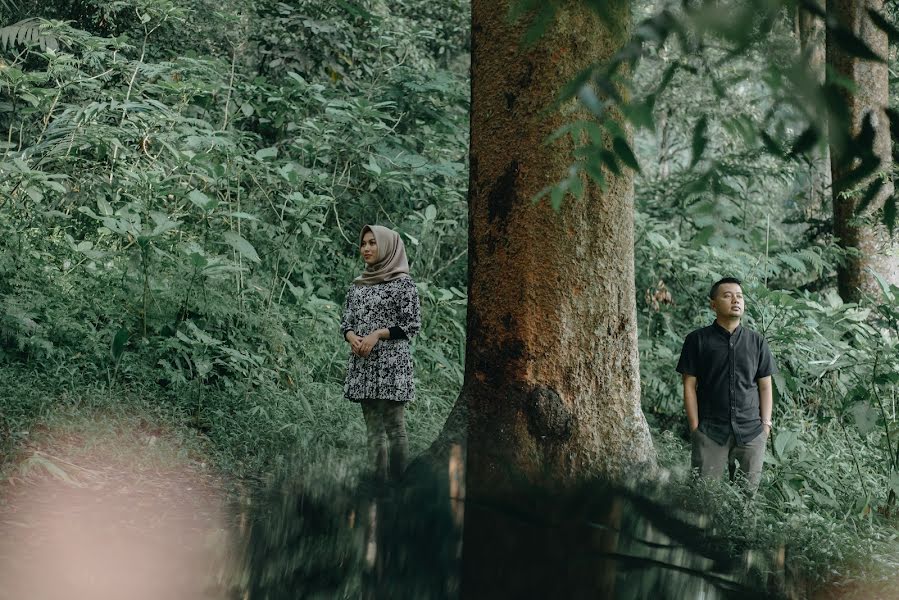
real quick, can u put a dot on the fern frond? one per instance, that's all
(792, 260)
(25, 33)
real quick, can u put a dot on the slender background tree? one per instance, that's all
(864, 82)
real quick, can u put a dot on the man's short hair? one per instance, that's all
(715, 285)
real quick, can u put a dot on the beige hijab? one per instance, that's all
(392, 263)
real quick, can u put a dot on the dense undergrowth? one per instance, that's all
(178, 216)
(179, 225)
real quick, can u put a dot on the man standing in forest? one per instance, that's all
(727, 371)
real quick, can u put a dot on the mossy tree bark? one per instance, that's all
(877, 250)
(552, 381)
(552, 376)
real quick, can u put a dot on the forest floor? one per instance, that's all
(111, 508)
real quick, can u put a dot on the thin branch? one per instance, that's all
(449, 263)
(230, 88)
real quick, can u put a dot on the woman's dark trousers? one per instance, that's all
(384, 423)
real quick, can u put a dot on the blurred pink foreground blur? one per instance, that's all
(86, 528)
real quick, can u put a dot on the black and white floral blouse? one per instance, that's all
(386, 373)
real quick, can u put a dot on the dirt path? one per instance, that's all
(128, 515)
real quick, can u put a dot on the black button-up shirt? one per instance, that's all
(727, 367)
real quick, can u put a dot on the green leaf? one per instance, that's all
(573, 86)
(613, 127)
(574, 128)
(34, 193)
(104, 207)
(793, 262)
(118, 344)
(575, 185)
(56, 186)
(865, 417)
(114, 225)
(594, 170)
(640, 114)
(624, 152)
(29, 98)
(887, 378)
(587, 96)
(198, 260)
(894, 482)
(243, 247)
(784, 442)
(298, 78)
(699, 140)
(556, 195)
(704, 235)
(884, 286)
(270, 152)
(540, 23)
(355, 10)
(431, 212)
(163, 224)
(202, 200)
(608, 159)
(373, 165)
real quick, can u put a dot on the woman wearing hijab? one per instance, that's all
(381, 314)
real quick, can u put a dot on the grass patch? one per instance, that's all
(245, 432)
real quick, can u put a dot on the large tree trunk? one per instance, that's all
(551, 374)
(552, 379)
(869, 236)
